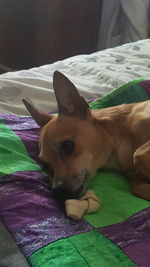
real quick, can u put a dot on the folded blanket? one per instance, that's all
(117, 235)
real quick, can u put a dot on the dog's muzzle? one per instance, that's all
(64, 191)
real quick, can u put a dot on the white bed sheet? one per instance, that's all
(94, 75)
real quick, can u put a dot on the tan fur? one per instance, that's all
(106, 138)
(117, 137)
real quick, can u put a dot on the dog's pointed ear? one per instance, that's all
(40, 117)
(68, 99)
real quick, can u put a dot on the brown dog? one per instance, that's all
(79, 141)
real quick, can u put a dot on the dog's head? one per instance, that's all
(68, 142)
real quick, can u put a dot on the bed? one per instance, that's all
(32, 221)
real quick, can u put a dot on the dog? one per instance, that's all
(79, 141)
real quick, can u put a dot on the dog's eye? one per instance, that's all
(66, 148)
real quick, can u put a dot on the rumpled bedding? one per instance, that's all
(117, 235)
(94, 75)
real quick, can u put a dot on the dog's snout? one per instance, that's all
(59, 189)
(57, 185)
(64, 192)
(69, 188)
(60, 192)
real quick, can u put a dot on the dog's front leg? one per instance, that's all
(141, 160)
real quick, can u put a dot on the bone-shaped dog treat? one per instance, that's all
(75, 208)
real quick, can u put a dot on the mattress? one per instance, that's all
(94, 75)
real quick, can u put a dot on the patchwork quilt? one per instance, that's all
(117, 235)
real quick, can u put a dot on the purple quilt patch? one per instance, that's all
(19, 123)
(30, 213)
(30, 139)
(133, 237)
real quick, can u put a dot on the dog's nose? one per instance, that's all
(60, 192)
(63, 192)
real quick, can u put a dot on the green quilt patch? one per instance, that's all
(13, 154)
(127, 93)
(88, 249)
(60, 253)
(117, 201)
